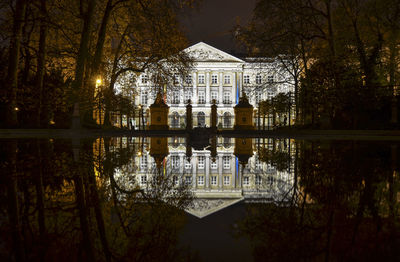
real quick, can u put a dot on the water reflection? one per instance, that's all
(126, 198)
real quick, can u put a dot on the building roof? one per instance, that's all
(206, 53)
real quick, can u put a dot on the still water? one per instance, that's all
(170, 199)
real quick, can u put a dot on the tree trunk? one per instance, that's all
(43, 111)
(81, 61)
(12, 73)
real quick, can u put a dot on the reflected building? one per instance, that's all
(222, 180)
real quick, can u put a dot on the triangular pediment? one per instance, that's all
(202, 207)
(202, 52)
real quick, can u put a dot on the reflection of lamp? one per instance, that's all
(140, 112)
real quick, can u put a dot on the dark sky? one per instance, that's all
(213, 21)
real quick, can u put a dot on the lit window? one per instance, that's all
(188, 79)
(214, 165)
(214, 96)
(226, 162)
(227, 97)
(200, 162)
(214, 180)
(246, 79)
(200, 180)
(258, 180)
(143, 162)
(175, 162)
(227, 180)
(175, 180)
(214, 79)
(270, 79)
(143, 180)
(145, 79)
(188, 95)
(175, 97)
(201, 79)
(143, 97)
(258, 79)
(227, 80)
(258, 163)
(258, 97)
(188, 165)
(270, 180)
(176, 79)
(188, 180)
(202, 97)
(246, 181)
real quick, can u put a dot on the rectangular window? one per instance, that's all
(270, 95)
(258, 164)
(200, 160)
(214, 79)
(246, 181)
(143, 180)
(258, 97)
(188, 180)
(214, 180)
(258, 79)
(201, 80)
(227, 180)
(258, 180)
(226, 162)
(143, 162)
(175, 162)
(188, 165)
(188, 95)
(188, 79)
(145, 79)
(227, 97)
(200, 180)
(270, 79)
(143, 97)
(227, 80)
(175, 180)
(214, 96)
(202, 97)
(214, 165)
(175, 97)
(176, 79)
(246, 79)
(270, 180)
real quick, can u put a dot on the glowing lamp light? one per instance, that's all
(52, 122)
(139, 153)
(16, 109)
(98, 81)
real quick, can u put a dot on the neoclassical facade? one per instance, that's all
(218, 76)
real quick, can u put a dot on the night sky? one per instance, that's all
(213, 21)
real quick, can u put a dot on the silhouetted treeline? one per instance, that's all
(342, 55)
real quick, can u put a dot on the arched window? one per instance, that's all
(227, 120)
(201, 119)
(175, 120)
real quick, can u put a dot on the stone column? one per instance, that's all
(220, 168)
(207, 88)
(233, 169)
(181, 97)
(194, 170)
(194, 96)
(221, 87)
(207, 171)
(240, 86)
(181, 164)
(235, 85)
